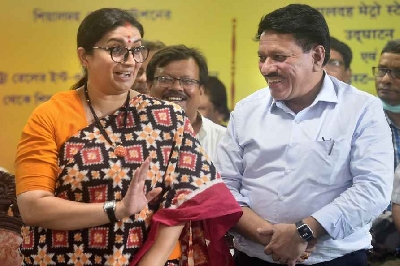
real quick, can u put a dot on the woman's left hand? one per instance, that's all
(136, 197)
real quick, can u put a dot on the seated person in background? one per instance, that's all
(339, 63)
(213, 102)
(10, 221)
(178, 74)
(140, 84)
(108, 176)
(387, 83)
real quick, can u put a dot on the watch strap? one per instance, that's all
(298, 224)
(109, 208)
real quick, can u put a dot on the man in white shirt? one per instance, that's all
(309, 157)
(178, 74)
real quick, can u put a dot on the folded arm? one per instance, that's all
(371, 165)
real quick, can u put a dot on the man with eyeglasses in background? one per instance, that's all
(140, 84)
(386, 242)
(179, 74)
(339, 63)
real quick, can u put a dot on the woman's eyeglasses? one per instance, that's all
(119, 54)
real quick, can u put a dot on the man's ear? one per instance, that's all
(201, 89)
(82, 56)
(318, 54)
(348, 76)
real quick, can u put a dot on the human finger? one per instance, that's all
(268, 250)
(283, 260)
(142, 170)
(311, 245)
(153, 194)
(275, 257)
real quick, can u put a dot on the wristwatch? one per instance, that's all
(109, 208)
(304, 230)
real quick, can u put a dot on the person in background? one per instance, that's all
(339, 64)
(387, 84)
(214, 102)
(108, 176)
(140, 84)
(178, 74)
(302, 167)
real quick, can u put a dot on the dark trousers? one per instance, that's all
(357, 258)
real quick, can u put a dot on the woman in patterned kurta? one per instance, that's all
(67, 166)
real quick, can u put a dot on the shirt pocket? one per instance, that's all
(325, 161)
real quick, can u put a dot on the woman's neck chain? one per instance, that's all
(119, 150)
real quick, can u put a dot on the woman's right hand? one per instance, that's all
(136, 197)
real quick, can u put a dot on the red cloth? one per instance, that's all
(208, 216)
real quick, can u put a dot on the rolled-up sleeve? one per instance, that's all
(371, 165)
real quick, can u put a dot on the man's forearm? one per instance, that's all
(248, 225)
(315, 226)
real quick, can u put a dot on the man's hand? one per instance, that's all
(265, 237)
(286, 246)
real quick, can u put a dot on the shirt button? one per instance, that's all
(297, 121)
(281, 198)
(287, 171)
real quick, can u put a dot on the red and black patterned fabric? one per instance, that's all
(90, 172)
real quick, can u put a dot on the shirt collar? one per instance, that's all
(328, 93)
(202, 131)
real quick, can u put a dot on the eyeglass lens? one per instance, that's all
(120, 54)
(184, 82)
(380, 72)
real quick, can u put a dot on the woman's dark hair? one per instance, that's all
(98, 23)
(307, 25)
(175, 53)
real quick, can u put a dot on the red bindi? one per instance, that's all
(129, 39)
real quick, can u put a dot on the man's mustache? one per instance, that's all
(272, 75)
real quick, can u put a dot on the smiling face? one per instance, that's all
(291, 73)
(387, 87)
(188, 99)
(105, 74)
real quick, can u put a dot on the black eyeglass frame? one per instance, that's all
(172, 80)
(385, 70)
(133, 50)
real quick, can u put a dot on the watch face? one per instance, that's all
(109, 205)
(305, 232)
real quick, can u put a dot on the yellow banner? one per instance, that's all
(38, 52)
